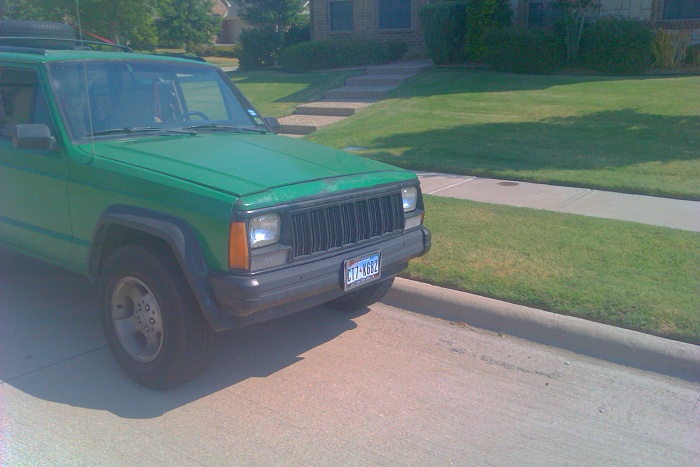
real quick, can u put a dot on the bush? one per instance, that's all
(692, 56)
(444, 30)
(334, 53)
(618, 46)
(230, 51)
(523, 51)
(297, 35)
(396, 49)
(259, 48)
(483, 15)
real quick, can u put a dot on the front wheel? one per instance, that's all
(151, 320)
(362, 298)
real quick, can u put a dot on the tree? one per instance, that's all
(272, 19)
(278, 15)
(20, 9)
(576, 12)
(118, 20)
(188, 22)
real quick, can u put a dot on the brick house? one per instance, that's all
(382, 20)
(398, 19)
(678, 16)
(231, 24)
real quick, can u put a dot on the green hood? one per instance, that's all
(238, 164)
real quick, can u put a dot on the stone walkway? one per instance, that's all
(358, 93)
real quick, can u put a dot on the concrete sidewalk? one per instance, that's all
(665, 212)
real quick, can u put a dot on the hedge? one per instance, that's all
(618, 46)
(523, 51)
(334, 53)
(444, 31)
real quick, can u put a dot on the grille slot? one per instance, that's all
(325, 228)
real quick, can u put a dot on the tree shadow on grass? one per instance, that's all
(442, 81)
(604, 142)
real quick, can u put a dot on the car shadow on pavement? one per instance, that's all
(52, 347)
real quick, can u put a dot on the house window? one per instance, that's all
(394, 14)
(543, 15)
(681, 9)
(340, 15)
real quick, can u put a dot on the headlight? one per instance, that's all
(410, 198)
(264, 230)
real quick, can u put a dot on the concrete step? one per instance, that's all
(331, 108)
(376, 80)
(358, 93)
(304, 124)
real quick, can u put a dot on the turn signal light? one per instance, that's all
(238, 257)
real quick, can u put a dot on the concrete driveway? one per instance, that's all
(381, 387)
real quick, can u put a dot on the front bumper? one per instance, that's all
(245, 300)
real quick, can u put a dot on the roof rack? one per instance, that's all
(22, 44)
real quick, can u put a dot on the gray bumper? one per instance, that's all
(245, 300)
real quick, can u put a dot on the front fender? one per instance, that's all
(177, 233)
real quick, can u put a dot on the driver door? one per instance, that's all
(34, 214)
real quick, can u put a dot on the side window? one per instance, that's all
(21, 99)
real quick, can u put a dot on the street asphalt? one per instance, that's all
(609, 343)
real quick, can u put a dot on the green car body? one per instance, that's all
(73, 194)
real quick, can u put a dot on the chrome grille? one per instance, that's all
(330, 227)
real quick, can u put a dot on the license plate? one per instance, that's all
(362, 269)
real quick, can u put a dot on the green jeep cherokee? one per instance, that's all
(158, 180)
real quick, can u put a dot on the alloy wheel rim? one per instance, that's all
(137, 319)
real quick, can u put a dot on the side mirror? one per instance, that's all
(273, 123)
(32, 136)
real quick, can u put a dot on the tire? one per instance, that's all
(152, 322)
(362, 298)
(45, 29)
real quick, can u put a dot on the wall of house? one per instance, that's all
(645, 10)
(366, 23)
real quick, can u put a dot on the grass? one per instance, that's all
(276, 94)
(222, 61)
(633, 135)
(621, 273)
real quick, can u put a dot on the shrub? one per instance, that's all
(618, 46)
(334, 53)
(444, 30)
(231, 51)
(692, 56)
(396, 49)
(483, 15)
(297, 35)
(523, 51)
(259, 48)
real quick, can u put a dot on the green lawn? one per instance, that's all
(276, 94)
(622, 273)
(639, 135)
(634, 135)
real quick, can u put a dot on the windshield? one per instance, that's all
(110, 99)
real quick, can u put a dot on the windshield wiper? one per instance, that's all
(225, 127)
(143, 129)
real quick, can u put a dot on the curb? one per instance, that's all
(616, 345)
